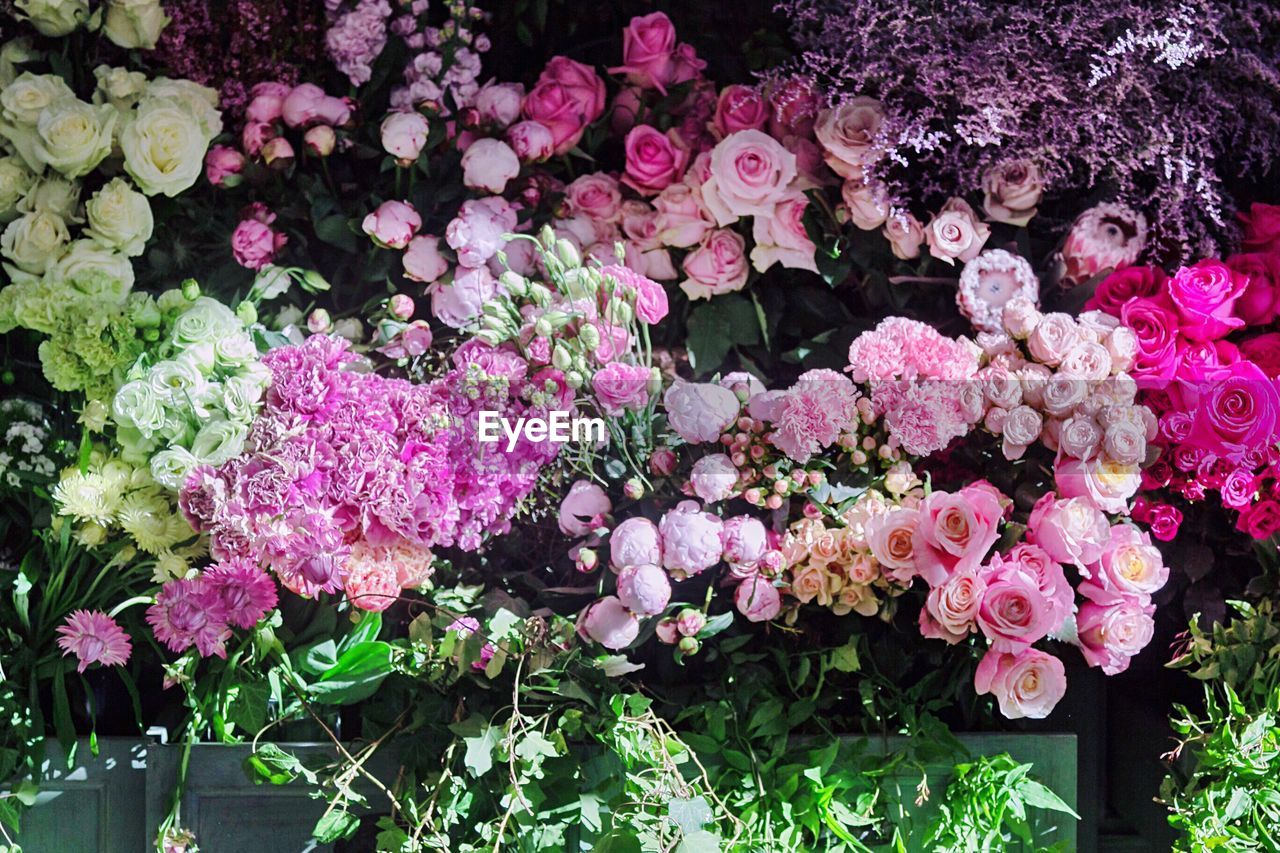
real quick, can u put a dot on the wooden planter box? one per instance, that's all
(114, 802)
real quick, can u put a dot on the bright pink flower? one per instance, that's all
(1156, 326)
(1028, 684)
(1236, 412)
(244, 591)
(94, 637)
(620, 386)
(817, 409)
(568, 97)
(648, 45)
(267, 102)
(187, 614)
(1260, 303)
(254, 244)
(1205, 294)
(1264, 351)
(654, 160)
(739, 108)
(651, 297)
(1122, 285)
(1261, 228)
(1260, 521)
(1109, 635)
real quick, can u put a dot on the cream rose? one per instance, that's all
(53, 17)
(53, 194)
(73, 137)
(29, 242)
(120, 218)
(1011, 191)
(201, 100)
(21, 103)
(119, 87)
(848, 133)
(955, 233)
(135, 23)
(93, 270)
(15, 180)
(164, 146)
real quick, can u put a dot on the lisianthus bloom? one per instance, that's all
(94, 637)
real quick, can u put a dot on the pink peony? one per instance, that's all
(307, 104)
(713, 478)
(254, 244)
(690, 540)
(422, 259)
(488, 165)
(583, 509)
(532, 141)
(750, 174)
(644, 590)
(267, 101)
(619, 386)
(745, 541)
(1109, 635)
(499, 103)
(608, 623)
(757, 599)
(717, 266)
(654, 160)
(1028, 684)
(393, 224)
(476, 233)
(700, 411)
(404, 134)
(222, 166)
(635, 542)
(460, 304)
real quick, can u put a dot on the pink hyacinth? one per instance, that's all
(94, 637)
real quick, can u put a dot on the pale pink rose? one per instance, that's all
(639, 222)
(1079, 437)
(460, 304)
(1070, 531)
(1028, 684)
(1051, 579)
(499, 103)
(583, 509)
(619, 386)
(690, 540)
(717, 266)
(1106, 236)
(307, 104)
(1126, 443)
(1011, 191)
(682, 219)
(955, 233)
(1014, 612)
(635, 542)
(644, 590)
(758, 600)
(950, 609)
(422, 259)
(1109, 635)
(267, 102)
(739, 108)
(654, 160)
(1131, 566)
(404, 134)
(648, 51)
(713, 478)
(848, 134)
(222, 166)
(595, 195)
(955, 530)
(1018, 429)
(867, 206)
(488, 165)
(745, 542)
(1105, 483)
(393, 224)
(1020, 317)
(890, 536)
(750, 173)
(1087, 360)
(608, 623)
(531, 140)
(700, 411)
(905, 235)
(782, 238)
(1053, 337)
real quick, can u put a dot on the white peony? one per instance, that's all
(120, 217)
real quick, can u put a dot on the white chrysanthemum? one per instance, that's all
(86, 497)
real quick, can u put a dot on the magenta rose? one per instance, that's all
(955, 531)
(1028, 684)
(739, 108)
(1260, 302)
(1123, 285)
(1109, 635)
(1204, 295)
(1264, 351)
(1236, 413)
(1156, 327)
(621, 386)
(1261, 228)
(654, 160)
(568, 97)
(1261, 521)
(648, 48)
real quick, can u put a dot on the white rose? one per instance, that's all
(135, 23)
(15, 180)
(204, 322)
(53, 195)
(120, 218)
(53, 17)
(73, 137)
(119, 87)
(30, 241)
(21, 103)
(202, 100)
(93, 270)
(164, 146)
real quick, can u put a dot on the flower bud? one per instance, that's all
(401, 306)
(515, 284)
(590, 337)
(620, 312)
(689, 645)
(543, 328)
(633, 489)
(278, 153)
(560, 358)
(654, 385)
(568, 254)
(573, 379)
(319, 322)
(662, 462)
(540, 295)
(489, 337)
(191, 290)
(247, 313)
(320, 140)
(587, 560)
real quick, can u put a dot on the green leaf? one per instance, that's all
(690, 815)
(367, 629)
(1041, 797)
(271, 764)
(716, 327)
(699, 842)
(356, 675)
(618, 841)
(248, 709)
(479, 756)
(320, 658)
(335, 826)
(11, 815)
(715, 625)
(845, 658)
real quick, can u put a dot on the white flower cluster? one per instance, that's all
(24, 445)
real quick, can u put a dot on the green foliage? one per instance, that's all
(986, 807)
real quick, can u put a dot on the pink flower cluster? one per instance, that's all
(356, 36)
(441, 77)
(1208, 363)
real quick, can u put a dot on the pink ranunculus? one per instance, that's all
(1105, 237)
(700, 411)
(654, 160)
(404, 134)
(955, 233)
(1123, 285)
(644, 589)
(690, 540)
(1073, 530)
(1236, 413)
(307, 104)
(1259, 304)
(739, 108)
(499, 103)
(532, 141)
(1204, 295)
(583, 509)
(955, 530)
(619, 386)
(595, 195)
(1028, 684)
(461, 303)
(717, 266)
(254, 243)
(422, 259)
(951, 608)
(757, 599)
(648, 48)
(1014, 612)
(1261, 228)
(222, 166)
(393, 224)
(782, 238)
(1156, 327)
(848, 133)
(608, 623)
(682, 220)
(713, 478)
(635, 542)
(745, 541)
(750, 174)
(1109, 635)
(488, 165)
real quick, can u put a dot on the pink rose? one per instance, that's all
(583, 509)
(1049, 576)
(891, 537)
(950, 609)
(848, 133)
(1261, 228)
(499, 103)
(955, 233)
(795, 104)
(717, 266)
(1123, 285)
(1259, 305)
(867, 207)
(654, 160)
(619, 386)
(758, 600)
(393, 224)
(422, 259)
(255, 244)
(532, 141)
(1205, 294)
(595, 195)
(1261, 521)
(1028, 684)
(460, 304)
(307, 104)
(682, 219)
(1069, 531)
(750, 174)
(568, 97)
(635, 542)
(608, 623)
(690, 540)
(782, 238)
(700, 411)
(905, 234)
(1236, 413)
(1011, 192)
(1156, 327)
(1014, 612)
(713, 478)
(404, 135)
(955, 531)
(648, 45)
(745, 541)
(1105, 237)
(1130, 567)
(488, 164)
(739, 108)
(644, 590)
(222, 166)
(267, 102)
(1109, 635)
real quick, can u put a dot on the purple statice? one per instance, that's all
(232, 46)
(356, 37)
(1161, 105)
